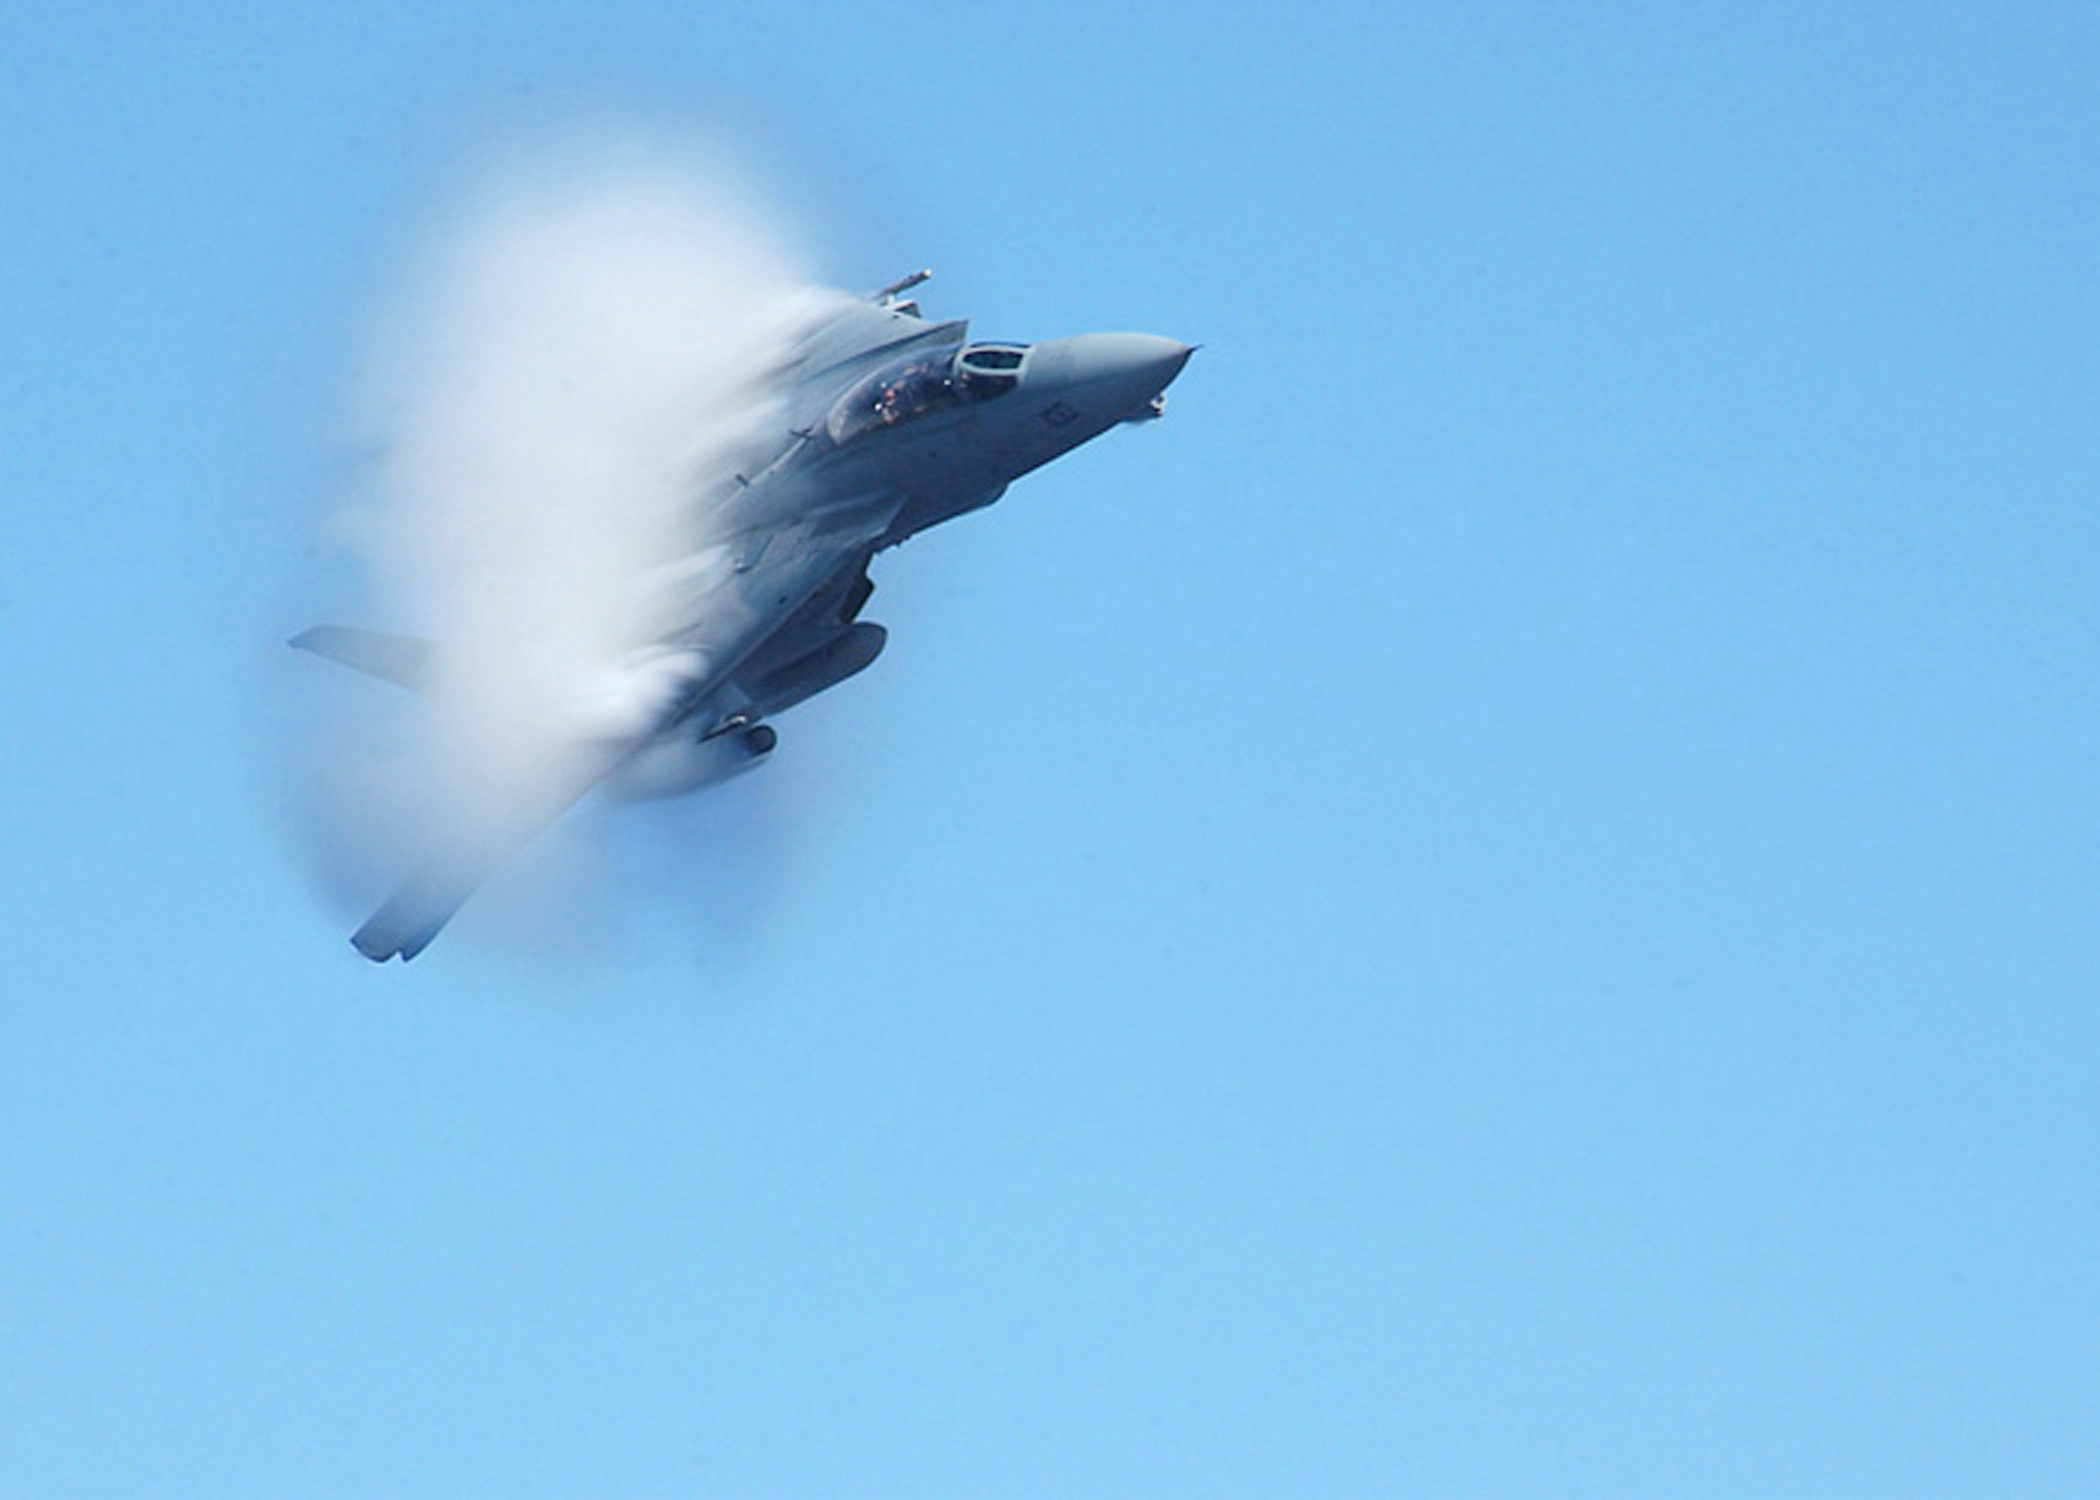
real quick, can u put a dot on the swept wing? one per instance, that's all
(768, 575)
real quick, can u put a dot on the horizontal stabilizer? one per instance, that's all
(399, 659)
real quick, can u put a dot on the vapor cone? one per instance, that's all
(583, 356)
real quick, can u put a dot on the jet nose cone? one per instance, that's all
(1130, 369)
(1118, 356)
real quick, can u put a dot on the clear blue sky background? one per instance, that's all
(1503, 905)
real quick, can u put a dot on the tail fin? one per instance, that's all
(400, 659)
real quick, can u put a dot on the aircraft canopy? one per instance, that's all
(922, 383)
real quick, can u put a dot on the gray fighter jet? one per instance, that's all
(892, 424)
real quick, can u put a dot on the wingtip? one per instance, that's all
(381, 950)
(408, 923)
(376, 950)
(371, 943)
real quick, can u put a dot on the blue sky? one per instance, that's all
(1502, 905)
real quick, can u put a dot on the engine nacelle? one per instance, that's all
(850, 651)
(673, 767)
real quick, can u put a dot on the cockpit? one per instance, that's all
(922, 383)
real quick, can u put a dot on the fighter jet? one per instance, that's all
(890, 423)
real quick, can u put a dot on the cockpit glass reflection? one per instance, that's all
(923, 383)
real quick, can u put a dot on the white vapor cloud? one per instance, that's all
(581, 354)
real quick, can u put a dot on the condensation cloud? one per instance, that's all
(578, 356)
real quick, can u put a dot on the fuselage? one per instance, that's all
(887, 425)
(921, 425)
